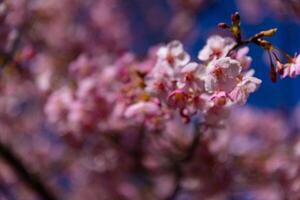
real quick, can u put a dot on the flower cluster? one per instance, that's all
(291, 68)
(160, 88)
(199, 89)
(82, 105)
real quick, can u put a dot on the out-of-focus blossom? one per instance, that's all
(142, 110)
(43, 69)
(58, 106)
(82, 67)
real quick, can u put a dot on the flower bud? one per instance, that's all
(269, 33)
(223, 25)
(235, 18)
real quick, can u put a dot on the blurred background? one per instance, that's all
(41, 40)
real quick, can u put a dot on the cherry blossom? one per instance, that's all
(146, 109)
(291, 69)
(173, 54)
(222, 74)
(246, 85)
(216, 47)
(242, 57)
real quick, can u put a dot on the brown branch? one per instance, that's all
(32, 180)
(178, 172)
(179, 165)
(138, 151)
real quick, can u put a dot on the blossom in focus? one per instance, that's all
(248, 84)
(173, 54)
(178, 99)
(291, 69)
(222, 74)
(220, 98)
(191, 78)
(242, 57)
(170, 60)
(216, 47)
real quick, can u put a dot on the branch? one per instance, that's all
(179, 165)
(138, 151)
(20, 169)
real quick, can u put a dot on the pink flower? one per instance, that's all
(222, 75)
(58, 107)
(85, 116)
(82, 66)
(44, 71)
(162, 69)
(157, 87)
(216, 47)
(178, 99)
(247, 85)
(220, 99)
(190, 68)
(174, 54)
(215, 115)
(190, 75)
(178, 131)
(87, 88)
(171, 58)
(292, 69)
(141, 110)
(158, 81)
(78, 117)
(242, 57)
